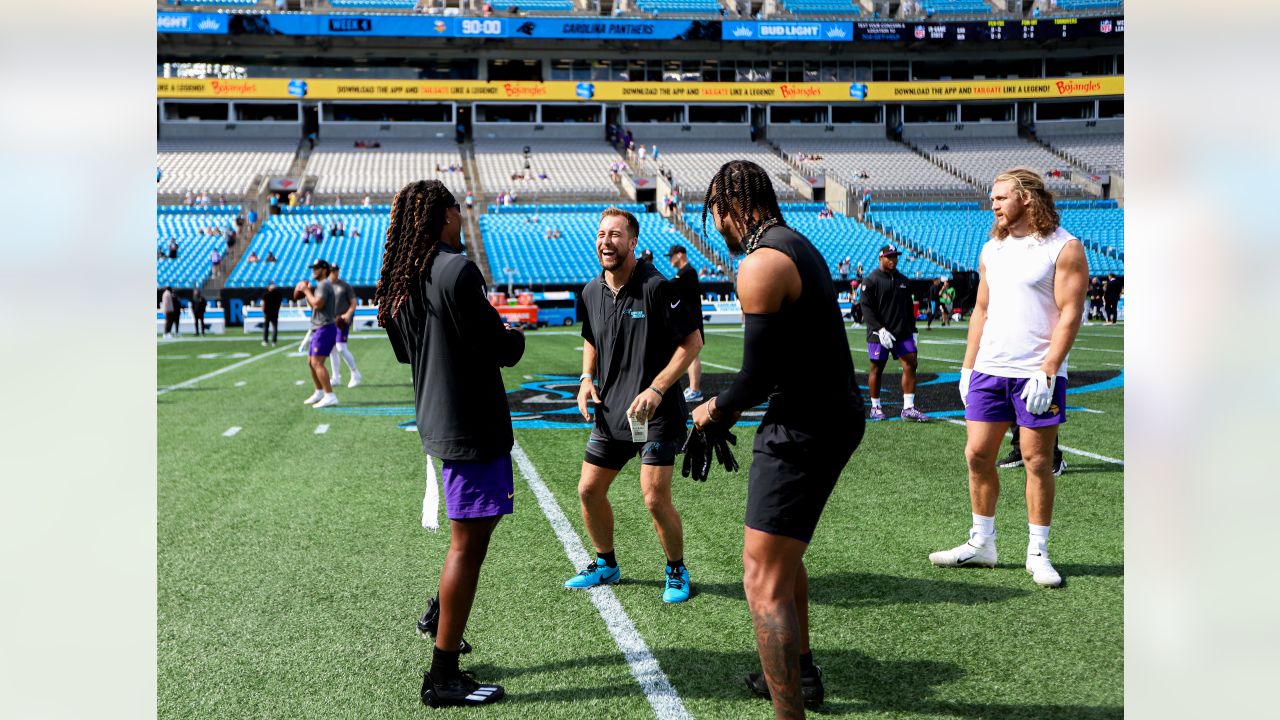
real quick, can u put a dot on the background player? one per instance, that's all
(1033, 277)
(271, 313)
(640, 340)
(432, 301)
(346, 312)
(324, 332)
(891, 327)
(689, 290)
(813, 424)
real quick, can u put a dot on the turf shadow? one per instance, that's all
(1070, 570)
(855, 683)
(861, 590)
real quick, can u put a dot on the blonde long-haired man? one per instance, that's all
(1033, 276)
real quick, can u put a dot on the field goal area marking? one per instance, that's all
(644, 666)
(216, 373)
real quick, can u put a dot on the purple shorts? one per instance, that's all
(999, 399)
(478, 489)
(322, 340)
(343, 332)
(904, 346)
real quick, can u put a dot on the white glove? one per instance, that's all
(965, 374)
(886, 338)
(1038, 392)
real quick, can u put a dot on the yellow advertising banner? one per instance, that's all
(614, 91)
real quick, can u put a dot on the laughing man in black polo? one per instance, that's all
(640, 338)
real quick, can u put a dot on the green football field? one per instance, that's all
(293, 565)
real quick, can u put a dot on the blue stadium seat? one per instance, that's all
(708, 7)
(281, 235)
(374, 4)
(185, 224)
(822, 7)
(1078, 5)
(956, 7)
(539, 5)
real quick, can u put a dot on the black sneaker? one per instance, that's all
(429, 621)
(460, 689)
(1012, 460)
(811, 689)
(1059, 466)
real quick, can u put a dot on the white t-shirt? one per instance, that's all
(1021, 309)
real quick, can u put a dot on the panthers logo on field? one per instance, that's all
(551, 401)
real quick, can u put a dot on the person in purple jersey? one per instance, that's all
(889, 311)
(346, 311)
(1030, 303)
(432, 300)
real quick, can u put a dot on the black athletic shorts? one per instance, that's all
(613, 454)
(792, 475)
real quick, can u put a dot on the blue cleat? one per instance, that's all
(677, 589)
(597, 573)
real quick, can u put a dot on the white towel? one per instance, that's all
(431, 500)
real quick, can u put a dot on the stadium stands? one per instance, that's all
(1096, 153)
(694, 163)
(956, 232)
(219, 167)
(186, 226)
(373, 4)
(281, 235)
(533, 5)
(677, 7)
(822, 7)
(1073, 6)
(979, 160)
(893, 167)
(512, 240)
(956, 7)
(222, 3)
(340, 168)
(577, 167)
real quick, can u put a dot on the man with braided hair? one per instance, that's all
(1032, 281)
(813, 424)
(432, 301)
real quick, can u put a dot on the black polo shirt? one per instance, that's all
(887, 303)
(635, 333)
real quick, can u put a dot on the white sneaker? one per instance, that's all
(691, 395)
(315, 397)
(335, 379)
(1042, 571)
(264, 343)
(356, 379)
(166, 336)
(970, 554)
(327, 401)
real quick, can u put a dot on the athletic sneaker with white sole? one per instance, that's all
(1042, 571)
(327, 401)
(691, 395)
(316, 397)
(335, 379)
(970, 554)
(460, 689)
(356, 379)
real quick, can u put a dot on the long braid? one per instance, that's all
(740, 190)
(418, 215)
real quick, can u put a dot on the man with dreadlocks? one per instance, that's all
(795, 355)
(432, 301)
(1032, 281)
(638, 336)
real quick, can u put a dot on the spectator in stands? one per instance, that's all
(160, 254)
(842, 268)
(640, 152)
(188, 199)
(653, 152)
(253, 216)
(253, 257)
(271, 257)
(866, 200)
(159, 174)
(355, 232)
(198, 306)
(173, 249)
(470, 201)
(863, 174)
(215, 259)
(366, 201)
(222, 200)
(306, 197)
(542, 175)
(337, 202)
(293, 199)
(857, 274)
(311, 140)
(337, 229)
(486, 10)
(273, 204)
(171, 307)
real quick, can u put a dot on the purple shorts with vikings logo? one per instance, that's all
(999, 399)
(478, 489)
(343, 332)
(903, 346)
(322, 340)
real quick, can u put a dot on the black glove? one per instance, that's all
(697, 456)
(720, 438)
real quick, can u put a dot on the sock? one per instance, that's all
(908, 400)
(1039, 539)
(675, 564)
(608, 558)
(806, 662)
(443, 663)
(875, 402)
(984, 527)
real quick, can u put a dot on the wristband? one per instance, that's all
(585, 376)
(712, 412)
(655, 390)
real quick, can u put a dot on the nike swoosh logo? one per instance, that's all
(674, 304)
(510, 495)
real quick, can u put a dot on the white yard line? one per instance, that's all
(322, 429)
(653, 681)
(231, 431)
(1073, 451)
(242, 383)
(215, 373)
(720, 367)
